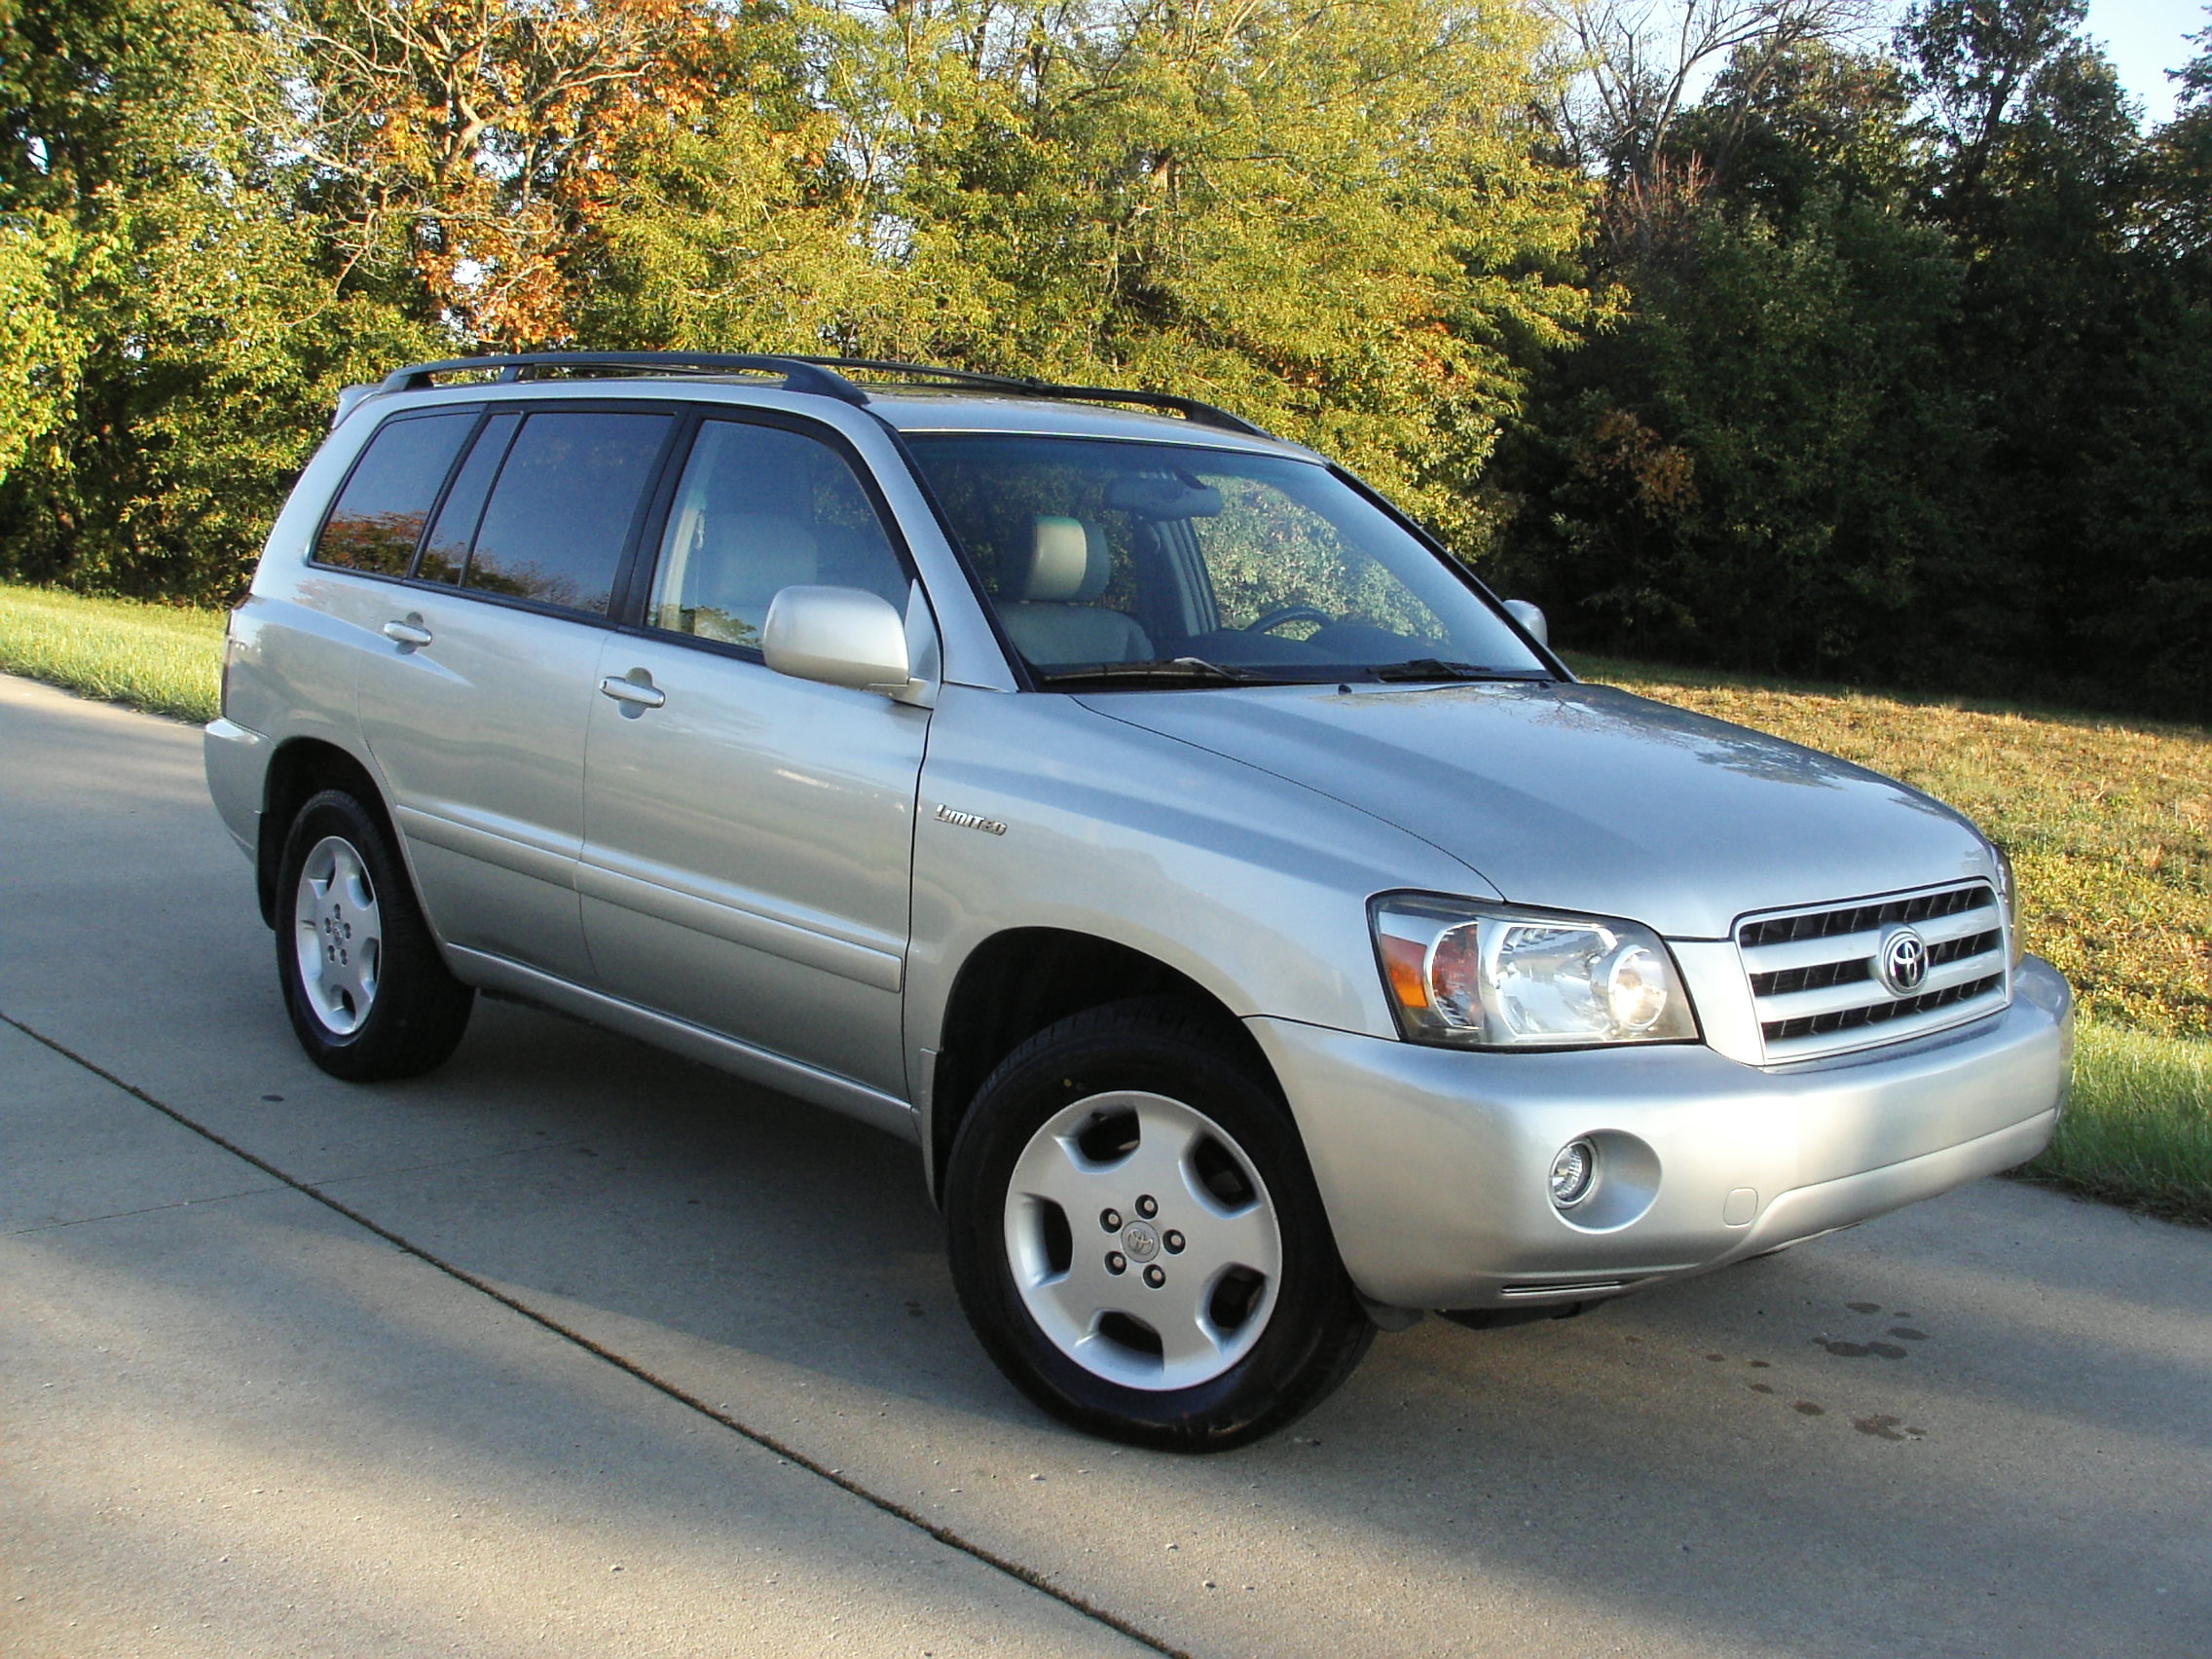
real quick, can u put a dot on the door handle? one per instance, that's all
(642, 696)
(408, 633)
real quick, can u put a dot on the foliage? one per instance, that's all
(1750, 472)
(1914, 384)
(1885, 364)
(1329, 212)
(171, 334)
(1213, 197)
(481, 144)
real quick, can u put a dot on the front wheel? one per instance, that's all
(368, 994)
(1137, 1239)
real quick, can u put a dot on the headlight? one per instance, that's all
(1488, 976)
(2008, 896)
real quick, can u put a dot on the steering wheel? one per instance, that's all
(1283, 614)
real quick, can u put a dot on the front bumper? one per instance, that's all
(1432, 1161)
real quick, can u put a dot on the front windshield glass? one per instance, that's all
(1151, 562)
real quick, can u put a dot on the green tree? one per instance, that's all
(1326, 215)
(1752, 468)
(191, 333)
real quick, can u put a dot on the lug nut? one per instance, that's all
(1146, 1207)
(1154, 1276)
(1110, 1220)
(1174, 1242)
(1115, 1262)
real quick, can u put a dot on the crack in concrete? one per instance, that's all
(124, 1215)
(944, 1536)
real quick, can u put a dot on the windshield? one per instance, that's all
(1152, 563)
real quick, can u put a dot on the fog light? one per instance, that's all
(1573, 1171)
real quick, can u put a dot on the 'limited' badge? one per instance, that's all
(969, 821)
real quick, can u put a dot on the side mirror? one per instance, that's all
(1531, 617)
(838, 635)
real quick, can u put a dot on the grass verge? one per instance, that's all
(2138, 1130)
(164, 658)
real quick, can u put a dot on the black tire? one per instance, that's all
(390, 1011)
(1312, 1331)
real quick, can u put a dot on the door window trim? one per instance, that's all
(437, 496)
(682, 419)
(632, 594)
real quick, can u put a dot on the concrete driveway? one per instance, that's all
(574, 1347)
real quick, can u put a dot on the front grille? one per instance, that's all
(1816, 974)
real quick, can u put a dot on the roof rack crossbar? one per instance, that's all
(1022, 386)
(800, 373)
(820, 376)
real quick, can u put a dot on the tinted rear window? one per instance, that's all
(380, 513)
(560, 512)
(447, 549)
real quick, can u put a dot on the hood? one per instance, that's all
(1582, 797)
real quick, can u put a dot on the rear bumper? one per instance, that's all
(1433, 1164)
(237, 762)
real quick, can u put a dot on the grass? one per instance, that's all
(2138, 1130)
(2109, 822)
(166, 659)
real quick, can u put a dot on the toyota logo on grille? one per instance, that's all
(1902, 961)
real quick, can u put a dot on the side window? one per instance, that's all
(554, 527)
(759, 509)
(445, 552)
(380, 513)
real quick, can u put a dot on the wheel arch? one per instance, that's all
(1016, 983)
(301, 768)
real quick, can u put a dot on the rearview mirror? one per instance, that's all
(838, 635)
(1154, 497)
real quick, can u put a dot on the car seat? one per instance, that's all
(1052, 618)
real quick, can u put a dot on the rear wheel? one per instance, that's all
(368, 994)
(1137, 1239)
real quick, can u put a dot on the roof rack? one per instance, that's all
(1025, 386)
(800, 374)
(824, 377)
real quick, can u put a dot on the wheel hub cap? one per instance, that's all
(1142, 1240)
(339, 935)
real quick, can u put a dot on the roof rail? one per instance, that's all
(820, 376)
(800, 374)
(1024, 385)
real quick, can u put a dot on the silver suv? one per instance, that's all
(1260, 932)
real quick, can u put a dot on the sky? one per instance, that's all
(2144, 38)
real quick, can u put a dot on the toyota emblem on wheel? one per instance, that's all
(1903, 961)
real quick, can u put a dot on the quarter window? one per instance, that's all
(759, 509)
(554, 528)
(380, 513)
(445, 552)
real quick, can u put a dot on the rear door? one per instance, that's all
(477, 707)
(749, 836)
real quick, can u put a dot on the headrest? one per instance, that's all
(1068, 561)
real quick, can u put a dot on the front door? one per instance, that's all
(749, 838)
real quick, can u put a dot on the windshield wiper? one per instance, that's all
(1177, 671)
(1436, 668)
